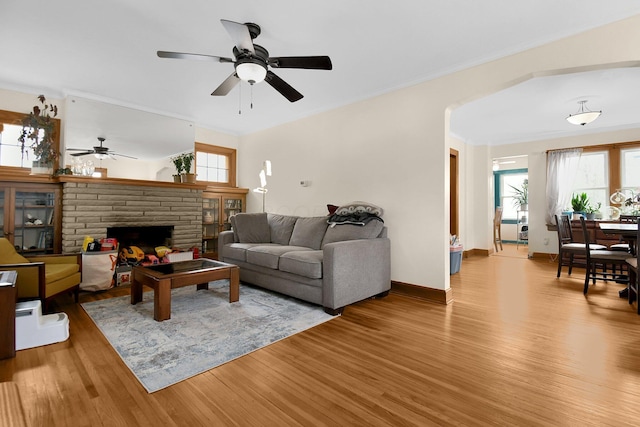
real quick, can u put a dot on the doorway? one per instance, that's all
(453, 191)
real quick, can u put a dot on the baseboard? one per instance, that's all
(480, 252)
(439, 296)
(544, 256)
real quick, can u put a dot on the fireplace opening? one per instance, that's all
(147, 238)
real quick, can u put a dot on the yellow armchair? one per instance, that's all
(44, 276)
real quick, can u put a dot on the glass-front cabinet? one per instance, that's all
(30, 217)
(218, 206)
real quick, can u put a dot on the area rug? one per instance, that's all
(204, 331)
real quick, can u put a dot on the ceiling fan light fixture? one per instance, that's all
(251, 72)
(101, 156)
(583, 116)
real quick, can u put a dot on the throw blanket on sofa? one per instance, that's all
(360, 218)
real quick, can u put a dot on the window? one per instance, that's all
(504, 183)
(604, 169)
(216, 164)
(593, 177)
(10, 130)
(630, 168)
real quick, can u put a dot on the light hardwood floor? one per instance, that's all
(517, 347)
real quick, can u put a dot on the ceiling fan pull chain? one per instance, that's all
(251, 95)
(240, 99)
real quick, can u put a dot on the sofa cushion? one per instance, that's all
(308, 232)
(303, 263)
(269, 255)
(342, 232)
(238, 251)
(232, 220)
(252, 228)
(55, 272)
(281, 227)
(8, 253)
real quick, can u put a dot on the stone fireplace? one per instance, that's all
(92, 208)
(146, 237)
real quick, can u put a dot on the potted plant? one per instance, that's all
(187, 160)
(179, 165)
(39, 128)
(591, 210)
(521, 195)
(579, 203)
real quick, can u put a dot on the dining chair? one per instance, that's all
(567, 246)
(633, 286)
(599, 258)
(625, 244)
(497, 228)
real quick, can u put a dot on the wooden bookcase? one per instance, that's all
(30, 217)
(218, 206)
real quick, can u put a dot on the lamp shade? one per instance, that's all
(251, 72)
(583, 116)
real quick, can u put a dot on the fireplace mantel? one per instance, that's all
(135, 182)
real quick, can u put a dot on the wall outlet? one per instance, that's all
(546, 241)
(304, 183)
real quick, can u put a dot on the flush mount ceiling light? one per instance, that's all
(251, 72)
(583, 116)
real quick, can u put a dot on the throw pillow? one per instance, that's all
(253, 228)
(332, 209)
(309, 232)
(359, 207)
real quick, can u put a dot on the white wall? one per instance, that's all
(392, 150)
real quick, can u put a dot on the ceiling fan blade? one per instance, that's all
(239, 34)
(306, 62)
(196, 56)
(121, 155)
(283, 87)
(226, 86)
(76, 149)
(80, 154)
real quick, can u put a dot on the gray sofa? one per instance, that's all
(305, 258)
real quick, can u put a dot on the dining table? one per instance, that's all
(624, 229)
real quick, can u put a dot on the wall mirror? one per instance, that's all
(144, 135)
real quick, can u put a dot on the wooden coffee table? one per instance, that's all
(164, 277)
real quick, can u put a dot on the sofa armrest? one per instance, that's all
(57, 258)
(354, 270)
(30, 275)
(224, 238)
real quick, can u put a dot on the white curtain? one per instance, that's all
(562, 167)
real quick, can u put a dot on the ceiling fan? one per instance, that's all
(252, 61)
(100, 152)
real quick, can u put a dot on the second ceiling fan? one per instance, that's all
(252, 61)
(100, 152)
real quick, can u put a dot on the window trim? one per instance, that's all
(230, 153)
(496, 186)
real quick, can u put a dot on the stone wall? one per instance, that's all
(89, 208)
